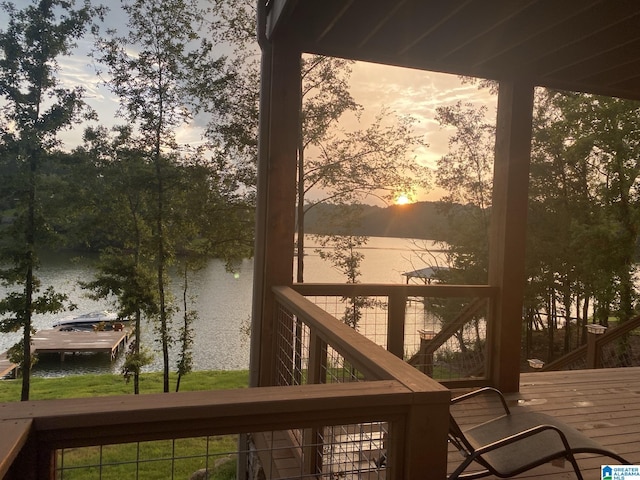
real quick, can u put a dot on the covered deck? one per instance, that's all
(602, 403)
(310, 372)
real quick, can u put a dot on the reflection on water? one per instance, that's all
(222, 300)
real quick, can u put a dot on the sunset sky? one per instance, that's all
(403, 91)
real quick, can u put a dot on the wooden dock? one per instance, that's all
(61, 342)
(7, 367)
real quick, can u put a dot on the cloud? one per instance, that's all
(416, 93)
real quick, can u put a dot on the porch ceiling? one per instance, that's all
(581, 45)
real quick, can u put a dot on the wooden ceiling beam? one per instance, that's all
(587, 45)
(596, 46)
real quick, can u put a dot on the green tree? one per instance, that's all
(342, 250)
(375, 160)
(185, 335)
(325, 98)
(123, 193)
(171, 77)
(36, 107)
(584, 220)
(466, 174)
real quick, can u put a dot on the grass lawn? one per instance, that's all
(170, 459)
(81, 386)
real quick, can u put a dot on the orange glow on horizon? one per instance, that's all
(403, 200)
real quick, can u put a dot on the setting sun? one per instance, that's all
(402, 200)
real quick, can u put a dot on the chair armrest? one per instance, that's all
(482, 391)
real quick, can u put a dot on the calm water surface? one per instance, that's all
(222, 299)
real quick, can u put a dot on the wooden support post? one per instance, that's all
(593, 352)
(316, 374)
(395, 323)
(276, 192)
(419, 450)
(508, 232)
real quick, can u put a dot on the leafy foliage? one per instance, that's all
(187, 202)
(36, 107)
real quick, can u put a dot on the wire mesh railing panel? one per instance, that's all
(337, 369)
(292, 349)
(354, 451)
(367, 314)
(622, 352)
(292, 365)
(166, 459)
(347, 451)
(460, 354)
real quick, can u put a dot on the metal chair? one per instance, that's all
(514, 443)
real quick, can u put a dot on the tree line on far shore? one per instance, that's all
(419, 220)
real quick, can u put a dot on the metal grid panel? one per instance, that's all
(371, 314)
(355, 451)
(292, 349)
(623, 352)
(338, 369)
(460, 357)
(167, 459)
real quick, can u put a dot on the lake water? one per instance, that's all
(222, 299)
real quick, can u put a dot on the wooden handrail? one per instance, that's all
(600, 342)
(54, 424)
(565, 360)
(129, 418)
(372, 360)
(385, 289)
(15, 433)
(375, 363)
(617, 332)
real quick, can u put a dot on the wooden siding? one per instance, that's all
(604, 404)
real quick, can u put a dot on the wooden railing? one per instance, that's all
(337, 354)
(412, 408)
(591, 355)
(316, 348)
(32, 431)
(397, 297)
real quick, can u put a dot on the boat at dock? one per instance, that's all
(89, 321)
